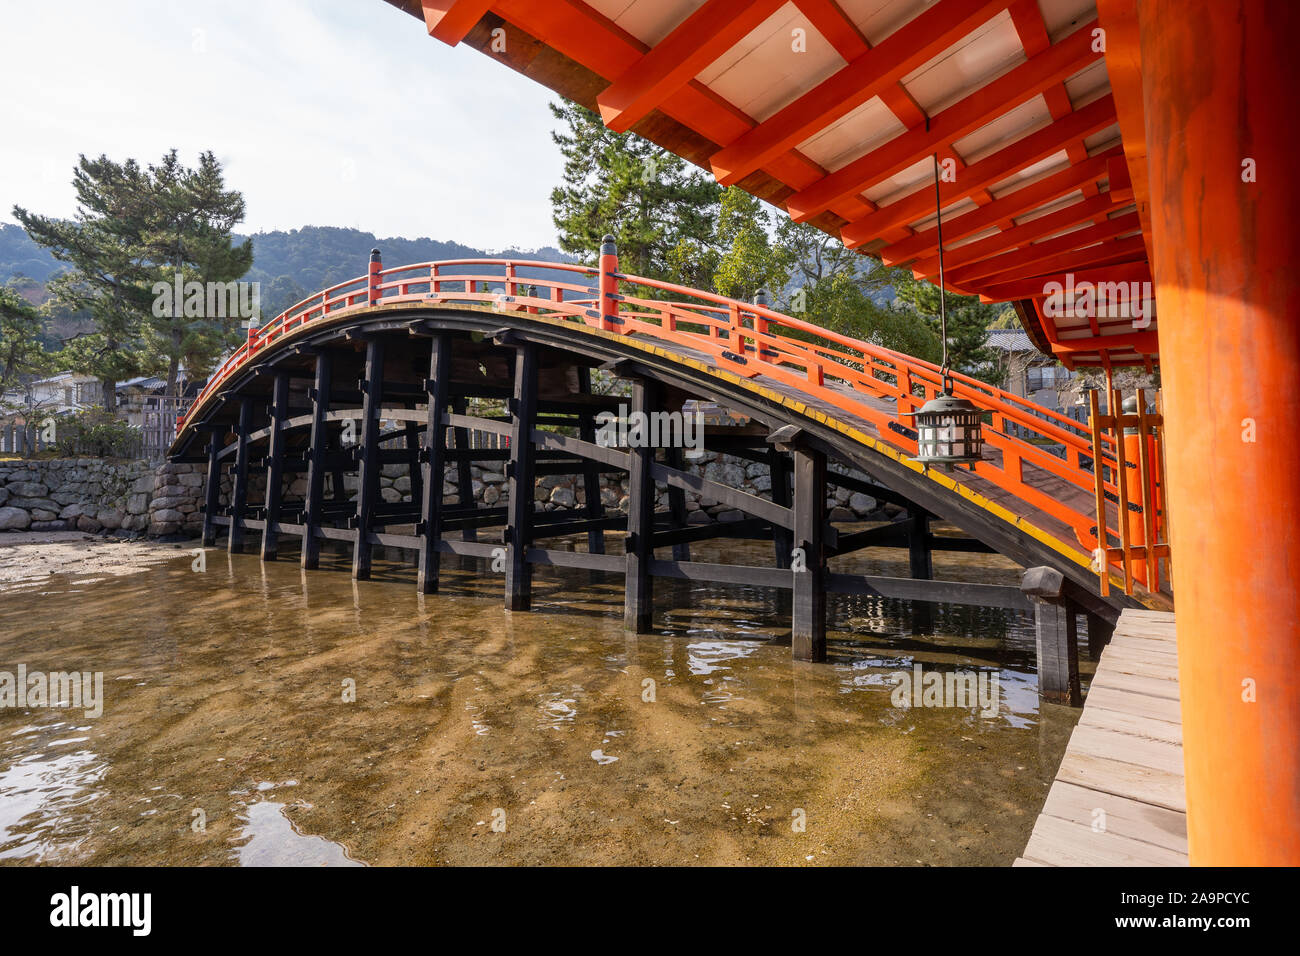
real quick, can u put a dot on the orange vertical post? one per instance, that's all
(608, 284)
(1137, 536)
(376, 267)
(1219, 78)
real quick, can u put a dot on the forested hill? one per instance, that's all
(289, 264)
(318, 256)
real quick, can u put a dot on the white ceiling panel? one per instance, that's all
(1008, 127)
(904, 182)
(982, 55)
(763, 72)
(647, 20)
(870, 125)
(877, 19)
(1063, 17)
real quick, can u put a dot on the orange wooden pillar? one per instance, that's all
(1219, 78)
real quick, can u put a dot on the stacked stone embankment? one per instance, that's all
(131, 498)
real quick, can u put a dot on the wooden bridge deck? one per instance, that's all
(1118, 797)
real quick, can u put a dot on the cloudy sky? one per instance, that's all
(323, 112)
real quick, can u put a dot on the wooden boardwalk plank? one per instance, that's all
(1118, 798)
(1119, 815)
(1059, 842)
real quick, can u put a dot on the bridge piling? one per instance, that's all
(919, 560)
(436, 388)
(675, 457)
(1056, 636)
(638, 606)
(464, 476)
(372, 391)
(593, 507)
(239, 478)
(309, 557)
(808, 625)
(275, 465)
(212, 489)
(521, 480)
(779, 474)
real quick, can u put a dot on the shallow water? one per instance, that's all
(481, 737)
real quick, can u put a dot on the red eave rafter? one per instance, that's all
(451, 20)
(586, 36)
(1005, 208)
(1016, 86)
(981, 250)
(1030, 255)
(695, 43)
(1003, 286)
(912, 45)
(1135, 270)
(990, 170)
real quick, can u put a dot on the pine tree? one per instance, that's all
(22, 353)
(659, 209)
(109, 276)
(749, 260)
(135, 227)
(968, 324)
(190, 233)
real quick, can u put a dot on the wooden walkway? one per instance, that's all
(1118, 797)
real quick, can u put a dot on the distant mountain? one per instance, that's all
(20, 256)
(306, 259)
(319, 256)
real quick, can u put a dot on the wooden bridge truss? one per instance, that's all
(414, 347)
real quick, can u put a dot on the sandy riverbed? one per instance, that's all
(28, 557)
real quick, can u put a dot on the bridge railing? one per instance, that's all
(747, 339)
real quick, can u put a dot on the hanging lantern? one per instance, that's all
(948, 431)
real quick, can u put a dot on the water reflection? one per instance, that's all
(461, 709)
(271, 839)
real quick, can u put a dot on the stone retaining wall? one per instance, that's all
(138, 497)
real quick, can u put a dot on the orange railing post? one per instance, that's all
(376, 266)
(608, 284)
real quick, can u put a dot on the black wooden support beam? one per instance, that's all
(892, 535)
(592, 505)
(521, 480)
(435, 444)
(316, 458)
(239, 478)
(808, 627)
(212, 490)
(745, 528)
(779, 472)
(918, 544)
(638, 605)
(1100, 632)
(674, 457)
(368, 470)
(275, 465)
(464, 477)
(1056, 635)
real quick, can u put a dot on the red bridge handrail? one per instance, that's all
(743, 338)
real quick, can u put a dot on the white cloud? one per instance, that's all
(323, 113)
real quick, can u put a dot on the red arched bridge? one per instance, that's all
(409, 348)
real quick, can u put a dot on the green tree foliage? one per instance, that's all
(280, 293)
(659, 209)
(109, 277)
(749, 259)
(22, 352)
(134, 227)
(848, 293)
(968, 324)
(189, 232)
